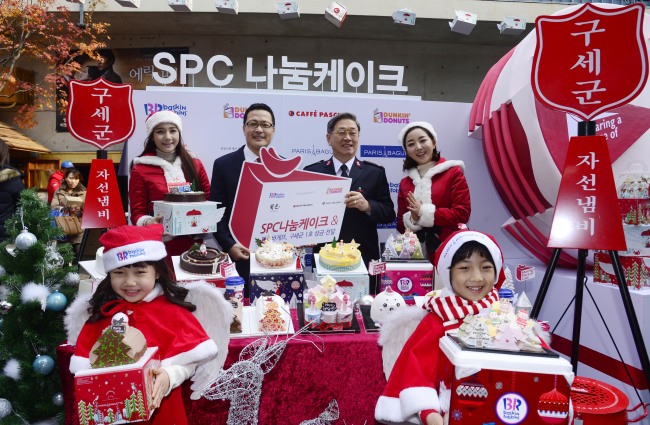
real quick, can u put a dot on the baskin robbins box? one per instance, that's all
(497, 387)
(117, 394)
(409, 279)
(188, 218)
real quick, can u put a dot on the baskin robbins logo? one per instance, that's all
(125, 255)
(391, 117)
(511, 408)
(179, 108)
(236, 112)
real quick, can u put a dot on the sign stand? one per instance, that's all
(101, 154)
(587, 128)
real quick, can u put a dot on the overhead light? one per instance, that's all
(404, 17)
(129, 3)
(336, 13)
(464, 22)
(180, 5)
(227, 6)
(288, 9)
(512, 25)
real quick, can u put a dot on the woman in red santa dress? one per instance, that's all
(470, 265)
(139, 284)
(164, 161)
(434, 197)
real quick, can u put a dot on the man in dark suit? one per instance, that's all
(259, 128)
(368, 203)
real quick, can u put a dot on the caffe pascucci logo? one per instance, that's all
(381, 117)
(178, 108)
(314, 113)
(230, 112)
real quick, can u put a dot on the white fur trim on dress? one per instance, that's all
(406, 218)
(204, 350)
(427, 212)
(408, 406)
(78, 363)
(75, 317)
(422, 188)
(173, 172)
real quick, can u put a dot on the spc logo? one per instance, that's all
(511, 408)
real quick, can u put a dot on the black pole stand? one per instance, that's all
(588, 128)
(101, 154)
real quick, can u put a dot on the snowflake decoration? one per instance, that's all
(498, 385)
(456, 415)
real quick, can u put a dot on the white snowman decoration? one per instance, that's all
(384, 304)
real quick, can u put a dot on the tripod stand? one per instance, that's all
(587, 128)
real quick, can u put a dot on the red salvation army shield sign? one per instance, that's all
(591, 60)
(100, 112)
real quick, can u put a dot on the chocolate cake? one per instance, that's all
(197, 261)
(185, 197)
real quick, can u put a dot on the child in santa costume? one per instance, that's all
(164, 161)
(470, 265)
(139, 284)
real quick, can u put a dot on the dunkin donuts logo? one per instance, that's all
(391, 117)
(236, 112)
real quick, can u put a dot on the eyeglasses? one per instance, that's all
(351, 132)
(254, 124)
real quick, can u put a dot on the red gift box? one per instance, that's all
(484, 386)
(117, 394)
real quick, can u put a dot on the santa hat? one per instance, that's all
(445, 253)
(163, 117)
(412, 125)
(126, 245)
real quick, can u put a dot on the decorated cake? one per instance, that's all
(182, 192)
(328, 308)
(200, 259)
(340, 256)
(503, 327)
(119, 344)
(274, 255)
(404, 246)
(269, 314)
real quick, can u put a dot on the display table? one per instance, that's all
(298, 388)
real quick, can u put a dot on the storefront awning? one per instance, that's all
(16, 140)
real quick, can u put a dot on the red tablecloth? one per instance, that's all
(300, 386)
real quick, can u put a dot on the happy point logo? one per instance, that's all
(511, 408)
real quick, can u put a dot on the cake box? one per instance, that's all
(286, 282)
(117, 394)
(408, 279)
(188, 218)
(355, 283)
(488, 387)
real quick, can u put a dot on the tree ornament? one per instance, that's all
(366, 300)
(72, 279)
(11, 249)
(43, 364)
(56, 301)
(25, 240)
(53, 260)
(3, 271)
(5, 408)
(5, 307)
(57, 399)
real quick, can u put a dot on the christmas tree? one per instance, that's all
(37, 281)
